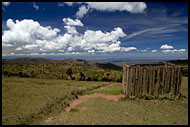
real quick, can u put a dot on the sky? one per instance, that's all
(95, 29)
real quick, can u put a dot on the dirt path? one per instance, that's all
(84, 98)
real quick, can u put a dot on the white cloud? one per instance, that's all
(174, 51)
(166, 47)
(18, 49)
(107, 42)
(154, 51)
(182, 50)
(128, 48)
(71, 29)
(6, 3)
(152, 30)
(30, 47)
(82, 11)
(30, 35)
(132, 7)
(91, 51)
(26, 32)
(71, 22)
(35, 6)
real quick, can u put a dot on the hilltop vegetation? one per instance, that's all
(58, 69)
(183, 63)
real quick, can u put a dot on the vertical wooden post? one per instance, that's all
(174, 81)
(158, 82)
(127, 82)
(134, 81)
(137, 81)
(124, 79)
(144, 80)
(150, 81)
(130, 81)
(180, 79)
(163, 80)
(140, 80)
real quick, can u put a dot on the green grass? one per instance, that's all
(58, 71)
(31, 101)
(100, 111)
(113, 89)
(27, 100)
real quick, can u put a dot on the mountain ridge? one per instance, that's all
(27, 60)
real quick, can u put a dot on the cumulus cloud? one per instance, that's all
(128, 48)
(6, 3)
(35, 6)
(132, 7)
(28, 35)
(82, 11)
(18, 49)
(166, 47)
(174, 51)
(26, 32)
(71, 29)
(71, 22)
(154, 51)
(105, 41)
(91, 51)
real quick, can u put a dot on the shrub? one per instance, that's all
(88, 79)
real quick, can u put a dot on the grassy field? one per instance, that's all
(26, 100)
(31, 101)
(129, 112)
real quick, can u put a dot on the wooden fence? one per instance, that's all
(153, 79)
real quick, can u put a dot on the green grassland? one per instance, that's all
(31, 101)
(25, 100)
(98, 111)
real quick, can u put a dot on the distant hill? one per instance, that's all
(101, 65)
(58, 69)
(183, 63)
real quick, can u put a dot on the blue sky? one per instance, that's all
(103, 30)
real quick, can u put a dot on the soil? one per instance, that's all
(84, 98)
(48, 120)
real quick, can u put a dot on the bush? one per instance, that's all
(185, 72)
(88, 79)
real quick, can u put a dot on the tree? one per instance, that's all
(106, 77)
(82, 77)
(69, 72)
